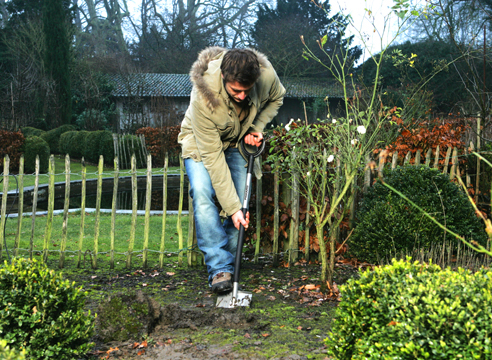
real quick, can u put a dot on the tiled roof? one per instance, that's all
(179, 85)
(151, 85)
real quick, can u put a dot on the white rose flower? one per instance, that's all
(287, 127)
(331, 158)
(361, 129)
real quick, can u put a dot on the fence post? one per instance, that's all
(428, 157)
(180, 210)
(436, 160)
(82, 211)
(417, 157)
(148, 199)
(51, 206)
(113, 210)
(454, 164)
(164, 211)
(6, 165)
(446, 161)
(307, 238)
(294, 222)
(468, 180)
(34, 206)
(394, 160)
(259, 196)
(100, 170)
(275, 214)
(408, 157)
(66, 204)
(477, 178)
(134, 211)
(21, 205)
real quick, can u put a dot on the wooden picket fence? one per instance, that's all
(194, 257)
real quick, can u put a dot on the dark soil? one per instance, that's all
(170, 313)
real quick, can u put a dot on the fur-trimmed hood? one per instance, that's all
(201, 65)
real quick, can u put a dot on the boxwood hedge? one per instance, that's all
(388, 224)
(414, 311)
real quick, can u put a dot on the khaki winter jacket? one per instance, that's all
(211, 122)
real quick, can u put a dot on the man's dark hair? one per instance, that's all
(240, 65)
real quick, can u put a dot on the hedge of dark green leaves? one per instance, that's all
(88, 144)
(31, 131)
(42, 313)
(34, 145)
(414, 311)
(388, 224)
(52, 137)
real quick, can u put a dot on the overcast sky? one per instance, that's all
(385, 22)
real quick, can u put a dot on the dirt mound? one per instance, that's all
(175, 317)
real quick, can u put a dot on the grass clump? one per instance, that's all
(414, 311)
(41, 313)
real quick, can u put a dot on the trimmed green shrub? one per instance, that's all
(52, 137)
(388, 224)
(414, 311)
(6, 353)
(34, 145)
(42, 313)
(73, 143)
(31, 131)
(99, 143)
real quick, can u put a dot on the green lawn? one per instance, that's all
(76, 173)
(122, 236)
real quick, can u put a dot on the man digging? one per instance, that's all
(236, 93)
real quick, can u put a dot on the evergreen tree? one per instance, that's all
(277, 34)
(56, 23)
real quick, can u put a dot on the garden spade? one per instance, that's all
(238, 297)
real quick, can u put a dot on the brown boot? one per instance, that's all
(222, 283)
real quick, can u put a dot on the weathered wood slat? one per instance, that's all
(454, 164)
(294, 222)
(428, 156)
(51, 206)
(164, 210)
(63, 245)
(113, 211)
(446, 160)
(259, 196)
(3, 211)
(134, 212)
(180, 210)
(82, 212)
(275, 215)
(148, 200)
(100, 170)
(436, 160)
(394, 160)
(21, 206)
(418, 154)
(34, 205)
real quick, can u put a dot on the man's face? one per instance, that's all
(237, 91)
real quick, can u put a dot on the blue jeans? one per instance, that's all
(216, 239)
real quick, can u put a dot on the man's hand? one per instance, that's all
(238, 219)
(254, 139)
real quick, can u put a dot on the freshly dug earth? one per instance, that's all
(170, 313)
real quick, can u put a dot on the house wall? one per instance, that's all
(158, 111)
